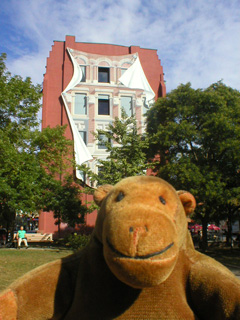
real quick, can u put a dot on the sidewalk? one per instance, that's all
(234, 270)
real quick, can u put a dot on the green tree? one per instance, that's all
(32, 163)
(54, 152)
(64, 199)
(196, 133)
(19, 105)
(126, 152)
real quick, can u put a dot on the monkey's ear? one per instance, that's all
(101, 192)
(188, 201)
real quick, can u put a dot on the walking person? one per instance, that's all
(21, 236)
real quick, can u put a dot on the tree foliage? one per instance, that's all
(64, 199)
(197, 134)
(32, 163)
(19, 105)
(54, 151)
(125, 147)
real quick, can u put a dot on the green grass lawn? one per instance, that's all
(226, 256)
(14, 263)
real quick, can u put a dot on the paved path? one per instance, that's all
(235, 270)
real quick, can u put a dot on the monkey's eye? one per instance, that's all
(120, 196)
(162, 200)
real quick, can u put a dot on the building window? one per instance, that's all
(82, 175)
(100, 172)
(123, 70)
(83, 135)
(80, 106)
(83, 68)
(126, 104)
(103, 105)
(102, 141)
(103, 74)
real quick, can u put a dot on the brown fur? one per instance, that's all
(139, 264)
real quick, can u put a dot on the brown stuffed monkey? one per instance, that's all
(139, 264)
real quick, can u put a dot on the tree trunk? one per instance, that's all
(10, 226)
(59, 228)
(204, 242)
(229, 231)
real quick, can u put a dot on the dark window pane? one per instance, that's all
(103, 74)
(83, 134)
(103, 105)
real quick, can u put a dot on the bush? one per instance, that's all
(77, 241)
(83, 229)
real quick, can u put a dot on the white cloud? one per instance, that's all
(197, 41)
(29, 66)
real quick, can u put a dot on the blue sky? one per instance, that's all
(198, 41)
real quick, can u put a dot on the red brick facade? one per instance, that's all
(59, 72)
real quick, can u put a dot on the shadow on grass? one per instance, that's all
(225, 255)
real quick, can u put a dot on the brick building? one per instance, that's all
(86, 85)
